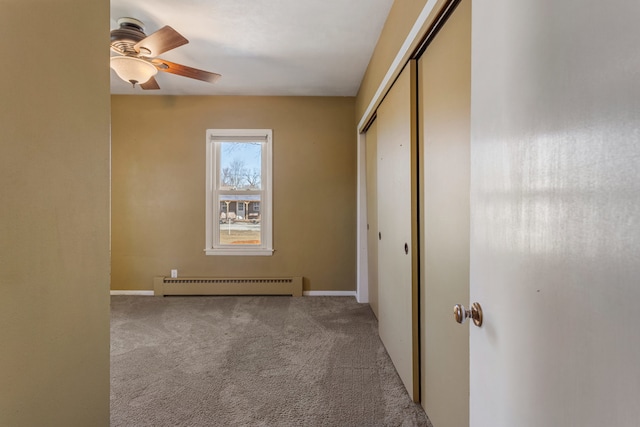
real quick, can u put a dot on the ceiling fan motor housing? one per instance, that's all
(124, 39)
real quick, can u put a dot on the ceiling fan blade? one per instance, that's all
(166, 38)
(183, 70)
(151, 84)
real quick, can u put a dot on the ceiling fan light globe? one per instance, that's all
(132, 69)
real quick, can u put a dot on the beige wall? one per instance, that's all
(158, 178)
(54, 215)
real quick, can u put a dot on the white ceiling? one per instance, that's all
(262, 47)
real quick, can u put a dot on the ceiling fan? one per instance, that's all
(138, 61)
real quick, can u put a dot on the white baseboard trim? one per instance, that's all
(329, 293)
(142, 293)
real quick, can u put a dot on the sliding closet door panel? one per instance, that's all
(397, 254)
(372, 213)
(444, 79)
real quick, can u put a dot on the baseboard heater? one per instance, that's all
(227, 286)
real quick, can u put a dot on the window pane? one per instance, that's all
(241, 165)
(238, 219)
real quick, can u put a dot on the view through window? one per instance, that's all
(240, 193)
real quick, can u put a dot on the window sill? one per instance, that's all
(240, 252)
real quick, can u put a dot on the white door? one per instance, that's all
(372, 214)
(397, 254)
(444, 82)
(555, 213)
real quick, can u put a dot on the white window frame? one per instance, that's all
(214, 139)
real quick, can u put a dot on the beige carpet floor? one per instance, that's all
(252, 361)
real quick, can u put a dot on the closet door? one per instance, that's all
(372, 213)
(397, 219)
(444, 102)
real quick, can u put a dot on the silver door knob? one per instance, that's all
(461, 314)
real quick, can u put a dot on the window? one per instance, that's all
(238, 199)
